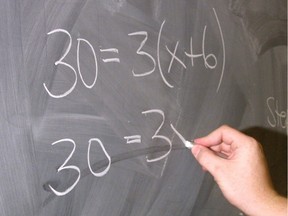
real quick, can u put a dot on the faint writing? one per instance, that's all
(276, 117)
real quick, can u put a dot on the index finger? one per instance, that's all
(223, 134)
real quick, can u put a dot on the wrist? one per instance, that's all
(272, 204)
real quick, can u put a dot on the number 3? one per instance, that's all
(157, 136)
(63, 167)
(61, 62)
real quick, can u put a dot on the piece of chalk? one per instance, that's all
(189, 144)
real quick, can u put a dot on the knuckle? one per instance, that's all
(254, 145)
(224, 127)
(253, 142)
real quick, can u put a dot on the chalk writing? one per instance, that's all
(165, 138)
(223, 47)
(64, 167)
(158, 57)
(129, 140)
(61, 62)
(99, 174)
(78, 62)
(113, 50)
(173, 54)
(276, 117)
(158, 136)
(178, 134)
(133, 139)
(209, 60)
(141, 52)
(203, 54)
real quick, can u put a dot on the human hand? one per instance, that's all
(242, 175)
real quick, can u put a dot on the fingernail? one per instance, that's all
(195, 150)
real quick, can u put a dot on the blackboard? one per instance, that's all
(96, 96)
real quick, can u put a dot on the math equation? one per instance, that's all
(209, 60)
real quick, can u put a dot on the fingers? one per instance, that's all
(213, 150)
(207, 158)
(223, 147)
(223, 134)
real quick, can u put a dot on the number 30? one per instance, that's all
(64, 167)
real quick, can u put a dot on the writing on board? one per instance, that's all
(209, 60)
(276, 117)
(130, 139)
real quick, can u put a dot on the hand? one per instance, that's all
(242, 175)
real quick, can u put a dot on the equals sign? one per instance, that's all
(112, 50)
(133, 139)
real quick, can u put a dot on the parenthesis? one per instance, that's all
(223, 47)
(158, 56)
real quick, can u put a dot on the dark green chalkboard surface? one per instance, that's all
(97, 96)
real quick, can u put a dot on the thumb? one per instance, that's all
(207, 158)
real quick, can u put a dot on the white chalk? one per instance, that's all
(189, 144)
